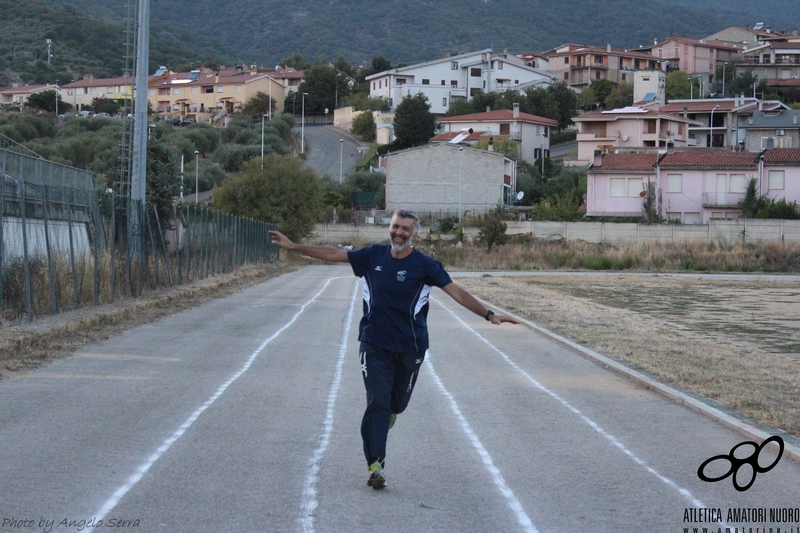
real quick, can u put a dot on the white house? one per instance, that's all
(456, 77)
(530, 131)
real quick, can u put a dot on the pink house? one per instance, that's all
(691, 186)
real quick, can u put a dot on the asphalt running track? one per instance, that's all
(243, 415)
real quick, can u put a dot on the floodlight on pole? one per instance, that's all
(262, 140)
(303, 125)
(56, 91)
(460, 178)
(196, 177)
(711, 127)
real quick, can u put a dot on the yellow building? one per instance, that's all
(81, 93)
(209, 95)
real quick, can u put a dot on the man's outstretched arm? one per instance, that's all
(470, 302)
(325, 253)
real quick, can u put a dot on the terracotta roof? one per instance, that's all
(782, 155)
(26, 89)
(695, 42)
(613, 115)
(499, 115)
(706, 158)
(782, 82)
(614, 161)
(103, 82)
(604, 50)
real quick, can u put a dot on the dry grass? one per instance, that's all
(28, 346)
(654, 323)
(536, 254)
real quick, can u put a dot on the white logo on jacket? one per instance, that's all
(401, 275)
(378, 268)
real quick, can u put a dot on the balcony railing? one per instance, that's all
(722, 199)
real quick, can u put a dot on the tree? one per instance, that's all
(566, 103)
(259, 105)
(539, 101)
(163, 177)
(295, 61)
(621, 96)
(505, 146)
(380, 64)
(342, 65)
(679, 86)
(587, 99)
(46, 101)
(492, 228)
(459, 106)
(364, 126)
(414, 124)
(103, 105)
(283, 192)
(602, 88)
(323, 84)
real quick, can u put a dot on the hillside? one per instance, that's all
(267, 31)
(81, 44)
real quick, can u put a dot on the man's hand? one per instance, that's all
(279, 239)
(470, 302)
(499, 319)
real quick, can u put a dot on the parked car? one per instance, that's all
(102, 115)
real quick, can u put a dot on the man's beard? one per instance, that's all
(401, 247)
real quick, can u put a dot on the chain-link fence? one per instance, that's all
(63, 245)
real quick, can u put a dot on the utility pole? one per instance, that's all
(139, 173)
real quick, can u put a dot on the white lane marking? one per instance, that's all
(616, 442)
(310, 493)
(142, 470)
(513, 502)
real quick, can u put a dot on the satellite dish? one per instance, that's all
(624, 138)
(520, 194)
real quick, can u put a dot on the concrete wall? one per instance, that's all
(431, 179)
(719, 231)
(34, 230)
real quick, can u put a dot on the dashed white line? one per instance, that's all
(522, 517)
(310, 493)
(616, 442)
(144, 467)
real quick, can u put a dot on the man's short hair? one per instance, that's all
(402, 213)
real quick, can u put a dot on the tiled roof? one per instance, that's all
(783, 82)
(703, 106)
(706, 158)
(25, 89)
(604, 50)
(450, 135)
(499, 115)
(102, 82)
(695, 42)
(782, 155)
(613, 115)
(614, 161)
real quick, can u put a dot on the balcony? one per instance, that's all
(722, 199)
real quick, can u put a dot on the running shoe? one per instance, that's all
(392, 420)
(377, 477)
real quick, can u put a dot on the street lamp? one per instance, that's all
(711, 127)
(196, 177)
(56, 89)
(691, 89)
(544, 134)
(262, 138)
(341, 159)
(303, 125)
(460, 174)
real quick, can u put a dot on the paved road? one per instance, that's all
(325, 154)
(243, 415)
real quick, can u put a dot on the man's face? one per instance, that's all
(401, 230)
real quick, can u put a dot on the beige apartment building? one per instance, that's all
(580, 66)
(694, 57)
(82, 93)
(207, 94)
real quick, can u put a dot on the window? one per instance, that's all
(516, 82)
(499, 65)
(454, 84)
(475, 72)
(691, 218)
(373, 85)
(566, 75)
(675, 217)
(238, 88)
(598, 60)
(92, 90)
(163, 91)
(208, 89)
(110, 90)
(454, 65)
(738, 183)
(597, 75)
(674, 183)
(444, 101)
(401, 81)
(566, 60)
(426, 81)
(777, 179)
(152, 92)
(617, 187)
(380, 84)
(545, 131)
(634, 187)
(176, 91)
(505, 129)
(220, 89)
(195, 90)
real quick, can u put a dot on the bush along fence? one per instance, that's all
(63, 245)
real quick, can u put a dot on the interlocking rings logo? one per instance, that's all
(737, 463)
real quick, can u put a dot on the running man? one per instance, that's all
(393, 331)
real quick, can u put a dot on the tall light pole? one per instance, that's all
(460, 174)
(56, 91)
(691, 88)
(262, 139)
(341, 159)
(711, 127)
(303, 126)
(196, 177)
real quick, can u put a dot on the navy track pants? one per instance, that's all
(389, 378)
